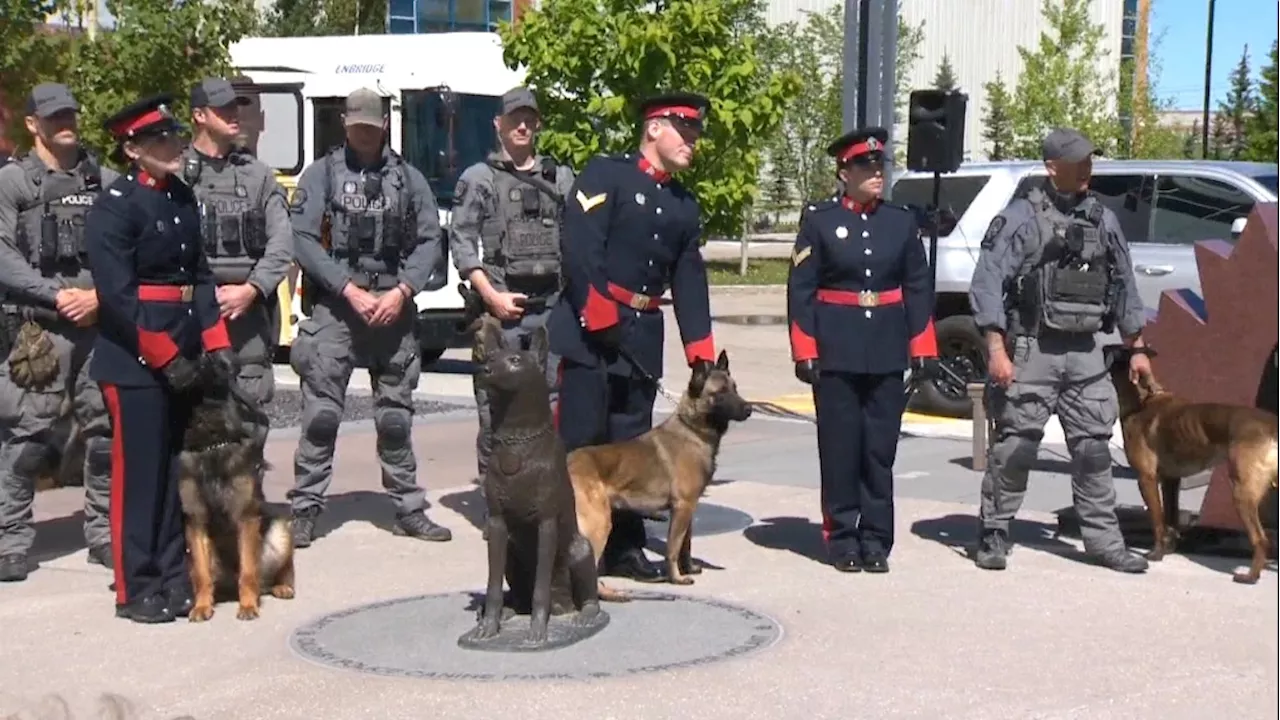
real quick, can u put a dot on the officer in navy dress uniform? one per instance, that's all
(609, 316)
(860, 305)
(158, 314)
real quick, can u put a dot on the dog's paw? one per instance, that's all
(692, 567)
(680, 580)
(536, 635)
(283, 592)
(1244, 577)
(483, 630)
(200, 613)
(247, 612)
(1156, 555)
(587, 615)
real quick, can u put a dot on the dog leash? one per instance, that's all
(647, 376)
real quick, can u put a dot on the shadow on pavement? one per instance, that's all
(1062, 467)
(960, 533)
(468, 504)
(368, 506)
(793, 534)
(58, 537)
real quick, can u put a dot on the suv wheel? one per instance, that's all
(963, 351)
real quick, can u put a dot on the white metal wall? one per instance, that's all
(980, 36)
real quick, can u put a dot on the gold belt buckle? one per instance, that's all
(639, 302)
(188, 292)
(868, 298)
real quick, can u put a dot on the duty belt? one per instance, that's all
(635, 301)
(166, 293)
(366, 280)
(860, 298)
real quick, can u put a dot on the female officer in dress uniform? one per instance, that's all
(859, 304)
(157, 314)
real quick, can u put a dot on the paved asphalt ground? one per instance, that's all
(1052, 637)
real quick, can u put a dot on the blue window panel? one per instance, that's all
(401, 26)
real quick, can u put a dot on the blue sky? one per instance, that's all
(1179, 26)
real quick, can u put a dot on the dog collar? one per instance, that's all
(518, 438)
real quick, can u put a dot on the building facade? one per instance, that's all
(980, 38)
(427, 16)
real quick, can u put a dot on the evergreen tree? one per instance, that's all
(1237, 108)
(946, 77)
(1262, 131)
(997, 124)
(1220, 137)
(1191, 143)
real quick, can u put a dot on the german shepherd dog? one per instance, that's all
(1167, 438)
(233, 541)
(667, 468)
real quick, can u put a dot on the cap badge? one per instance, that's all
(872, 144)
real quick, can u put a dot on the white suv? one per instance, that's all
(1164, 207)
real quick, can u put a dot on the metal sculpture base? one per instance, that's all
(513, 632)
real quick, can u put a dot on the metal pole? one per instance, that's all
(1208, 83)
(873, 78)
(889, 85)
(852, 62)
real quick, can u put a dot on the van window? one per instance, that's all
(440, 143)
(955, 195)
(271, 128)
(328, 123)
(1190, 209)
(1129, 197)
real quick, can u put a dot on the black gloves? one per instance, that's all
(609, 338)
(807, 371)
(924, 368)
(181, 373)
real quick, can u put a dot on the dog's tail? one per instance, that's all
(1270, 461)
(277, 547)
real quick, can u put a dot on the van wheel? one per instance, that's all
(963, 351)
(428, 356)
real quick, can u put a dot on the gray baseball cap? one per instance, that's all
(364, 107)
(1068, 145)
(215, 92)
(49, 98)
(516, 98)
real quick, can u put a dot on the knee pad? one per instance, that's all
(32, 459)
(323, 428)
(1018, 452)
(97, 456)
(393, 428)
(1093, 455)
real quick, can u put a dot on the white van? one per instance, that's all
(441, 92)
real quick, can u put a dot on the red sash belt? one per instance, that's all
(863, 298)
(166, 293)
(635, 301)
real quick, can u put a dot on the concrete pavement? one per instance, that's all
(1053, 637)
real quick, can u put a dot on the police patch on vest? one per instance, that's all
(242, 191)
(514, 195)
(349, 186)
(989, 240)
(460, 190)
(298, 200)
(82, 200)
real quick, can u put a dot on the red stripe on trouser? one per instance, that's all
(826, 528)
(555, 413)
(111, 396)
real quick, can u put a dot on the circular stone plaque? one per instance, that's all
(708, 519)
(417, 637)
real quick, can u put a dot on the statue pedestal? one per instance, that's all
(1223, 349)
(562, 631)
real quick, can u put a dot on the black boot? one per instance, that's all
(13, 568)
(101, 555)
(993, 550)
(624, 553)
(417, 525)
(180, 600)
(150, 610)
(304, 526)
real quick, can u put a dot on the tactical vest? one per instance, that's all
(232, 224)
(50, 231)
(522, 238)
(1067, 284)
(373, 225)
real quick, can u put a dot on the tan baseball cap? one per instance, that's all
(364, 107)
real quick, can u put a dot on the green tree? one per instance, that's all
(946, 77)
(1238, 107)
(592, 61)
(1143, 135)
(1261, 132)
(814, 49)
(27, 54)
(997, 124)
(1061, 84)
(1191, 142)
(297, 18)
(1220, 137)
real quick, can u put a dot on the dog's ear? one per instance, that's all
(539, 345)
(698, 380)
(489, 336)
(722, 362)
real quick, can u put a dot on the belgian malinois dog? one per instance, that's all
(533, 537)
(1167, 439)
(235, 544)
(667, 468)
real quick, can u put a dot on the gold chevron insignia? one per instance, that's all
(589, 202)
(798, 256)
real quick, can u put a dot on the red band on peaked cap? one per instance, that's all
(125, 127)
(682, 111)
(869, 145)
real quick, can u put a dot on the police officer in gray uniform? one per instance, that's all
(367, 236)
(506, 237)
(1054, 271)
(44, 198)
(245, 225)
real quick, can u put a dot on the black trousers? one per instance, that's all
(146, 513)
(597, 408)
(859, 418)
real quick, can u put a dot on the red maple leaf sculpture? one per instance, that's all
(1220, 349)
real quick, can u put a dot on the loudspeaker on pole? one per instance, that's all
(935, 130)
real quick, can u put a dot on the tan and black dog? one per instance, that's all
(1167, 439)
(667, 468)
(237, 548)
